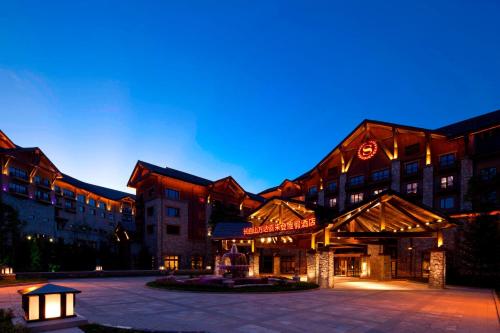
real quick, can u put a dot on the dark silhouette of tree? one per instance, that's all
(476, 258)
(10, 228)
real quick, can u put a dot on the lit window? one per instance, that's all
(446, 182)
(173, 212)
(356, 197)
(380, 175)
(172, 194)
(196, 262)
(447, 160)
(411, 168)
(357, 180)
(412, 188)
(447, 202)
(171, 262)
(332, 202)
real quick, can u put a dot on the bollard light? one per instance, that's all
(6, 270)
(47, 302)
(98, 268)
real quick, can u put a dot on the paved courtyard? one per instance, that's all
(354, 306)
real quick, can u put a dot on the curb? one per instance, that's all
(22, 284)
(497, 303)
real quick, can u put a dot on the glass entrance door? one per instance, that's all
(347, 266)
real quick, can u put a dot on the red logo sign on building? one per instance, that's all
(367, 150)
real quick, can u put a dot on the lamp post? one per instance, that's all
(48, 302)
(7, 273)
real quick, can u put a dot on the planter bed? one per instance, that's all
(222, 286)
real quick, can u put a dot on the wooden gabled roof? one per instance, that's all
(6, 142)
(389, 212)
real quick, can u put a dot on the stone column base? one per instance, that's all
(253, 263)
(326, 269)
(312, 258)
(437, 274)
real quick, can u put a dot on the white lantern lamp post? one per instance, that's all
(7, 273)
(48, 302)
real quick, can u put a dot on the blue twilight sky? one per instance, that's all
(260, 90)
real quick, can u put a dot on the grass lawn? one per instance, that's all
(217, 288)
(6, 325)
(6, 283)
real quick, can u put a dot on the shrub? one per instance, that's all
(6, 325)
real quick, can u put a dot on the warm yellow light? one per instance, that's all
(34, 313)
(70, 305)
(28, 237)
(52, 306)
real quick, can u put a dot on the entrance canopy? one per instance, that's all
(389, 215)
(279, 216)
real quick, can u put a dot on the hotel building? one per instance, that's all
(384, 203)
(58, 207)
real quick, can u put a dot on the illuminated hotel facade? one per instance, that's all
(57, 207)
(383, 204)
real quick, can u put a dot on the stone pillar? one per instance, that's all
(365, 267)
(312, 258)
(428, 186)
(217, 264)
(325, 278)
(437, 274)
(466, 172)
(379, 265)
(276, 265)
(396, 175)
(253, 263)
(342, 192)
(321, 198)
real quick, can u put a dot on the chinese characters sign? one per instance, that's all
(277, 227)
(367, 150)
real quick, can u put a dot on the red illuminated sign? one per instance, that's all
(367, 150)
(277, 227)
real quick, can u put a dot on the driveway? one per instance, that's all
(353, 307)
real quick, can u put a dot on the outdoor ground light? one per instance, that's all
(6, 270)
(98, 268)
(162, 268)
(47, 302)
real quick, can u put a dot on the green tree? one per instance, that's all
(10, 229)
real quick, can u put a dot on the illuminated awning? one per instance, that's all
(281, 217)
(389, 215)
